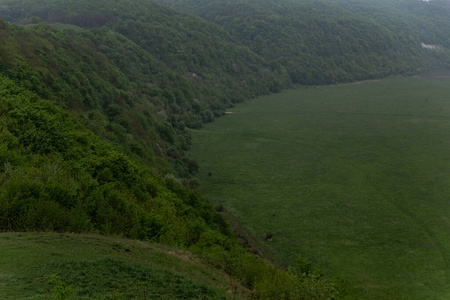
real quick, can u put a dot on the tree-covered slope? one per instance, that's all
(55, 175)
(332, 41)
(183, 43)
(93, 126)
(426, 21)
(141, 79)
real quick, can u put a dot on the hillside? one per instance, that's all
(97, 100)
(56, 266)
(322, 42)
(93, 131)
(58, 176)
(141, 80)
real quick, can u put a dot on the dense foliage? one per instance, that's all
(333, 41)
(139, 81)
(58, 176)
(63, 91)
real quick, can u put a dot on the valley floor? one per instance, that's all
(351, 177)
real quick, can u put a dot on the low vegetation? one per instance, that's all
(349, 177)
(46, 265)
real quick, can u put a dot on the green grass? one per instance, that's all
(354, 178)
(95, 267)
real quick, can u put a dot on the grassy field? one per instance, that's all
(354, 178)
(52, 266)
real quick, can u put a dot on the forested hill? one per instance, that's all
(335, 40)
(139, 72)
(103, 101)
(96, 98)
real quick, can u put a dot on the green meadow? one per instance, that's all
(353, 178)
(70, 266)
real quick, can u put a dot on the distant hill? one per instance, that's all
(332, 41)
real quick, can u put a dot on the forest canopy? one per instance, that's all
(322, 42)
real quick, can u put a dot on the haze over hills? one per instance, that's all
(97, 99)
(332, 41)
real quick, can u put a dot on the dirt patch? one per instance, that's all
(231, 112)
(415, 120)
(360, 82)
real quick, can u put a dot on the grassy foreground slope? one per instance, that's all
(98, 267)
(352, 177)
(80, 266)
